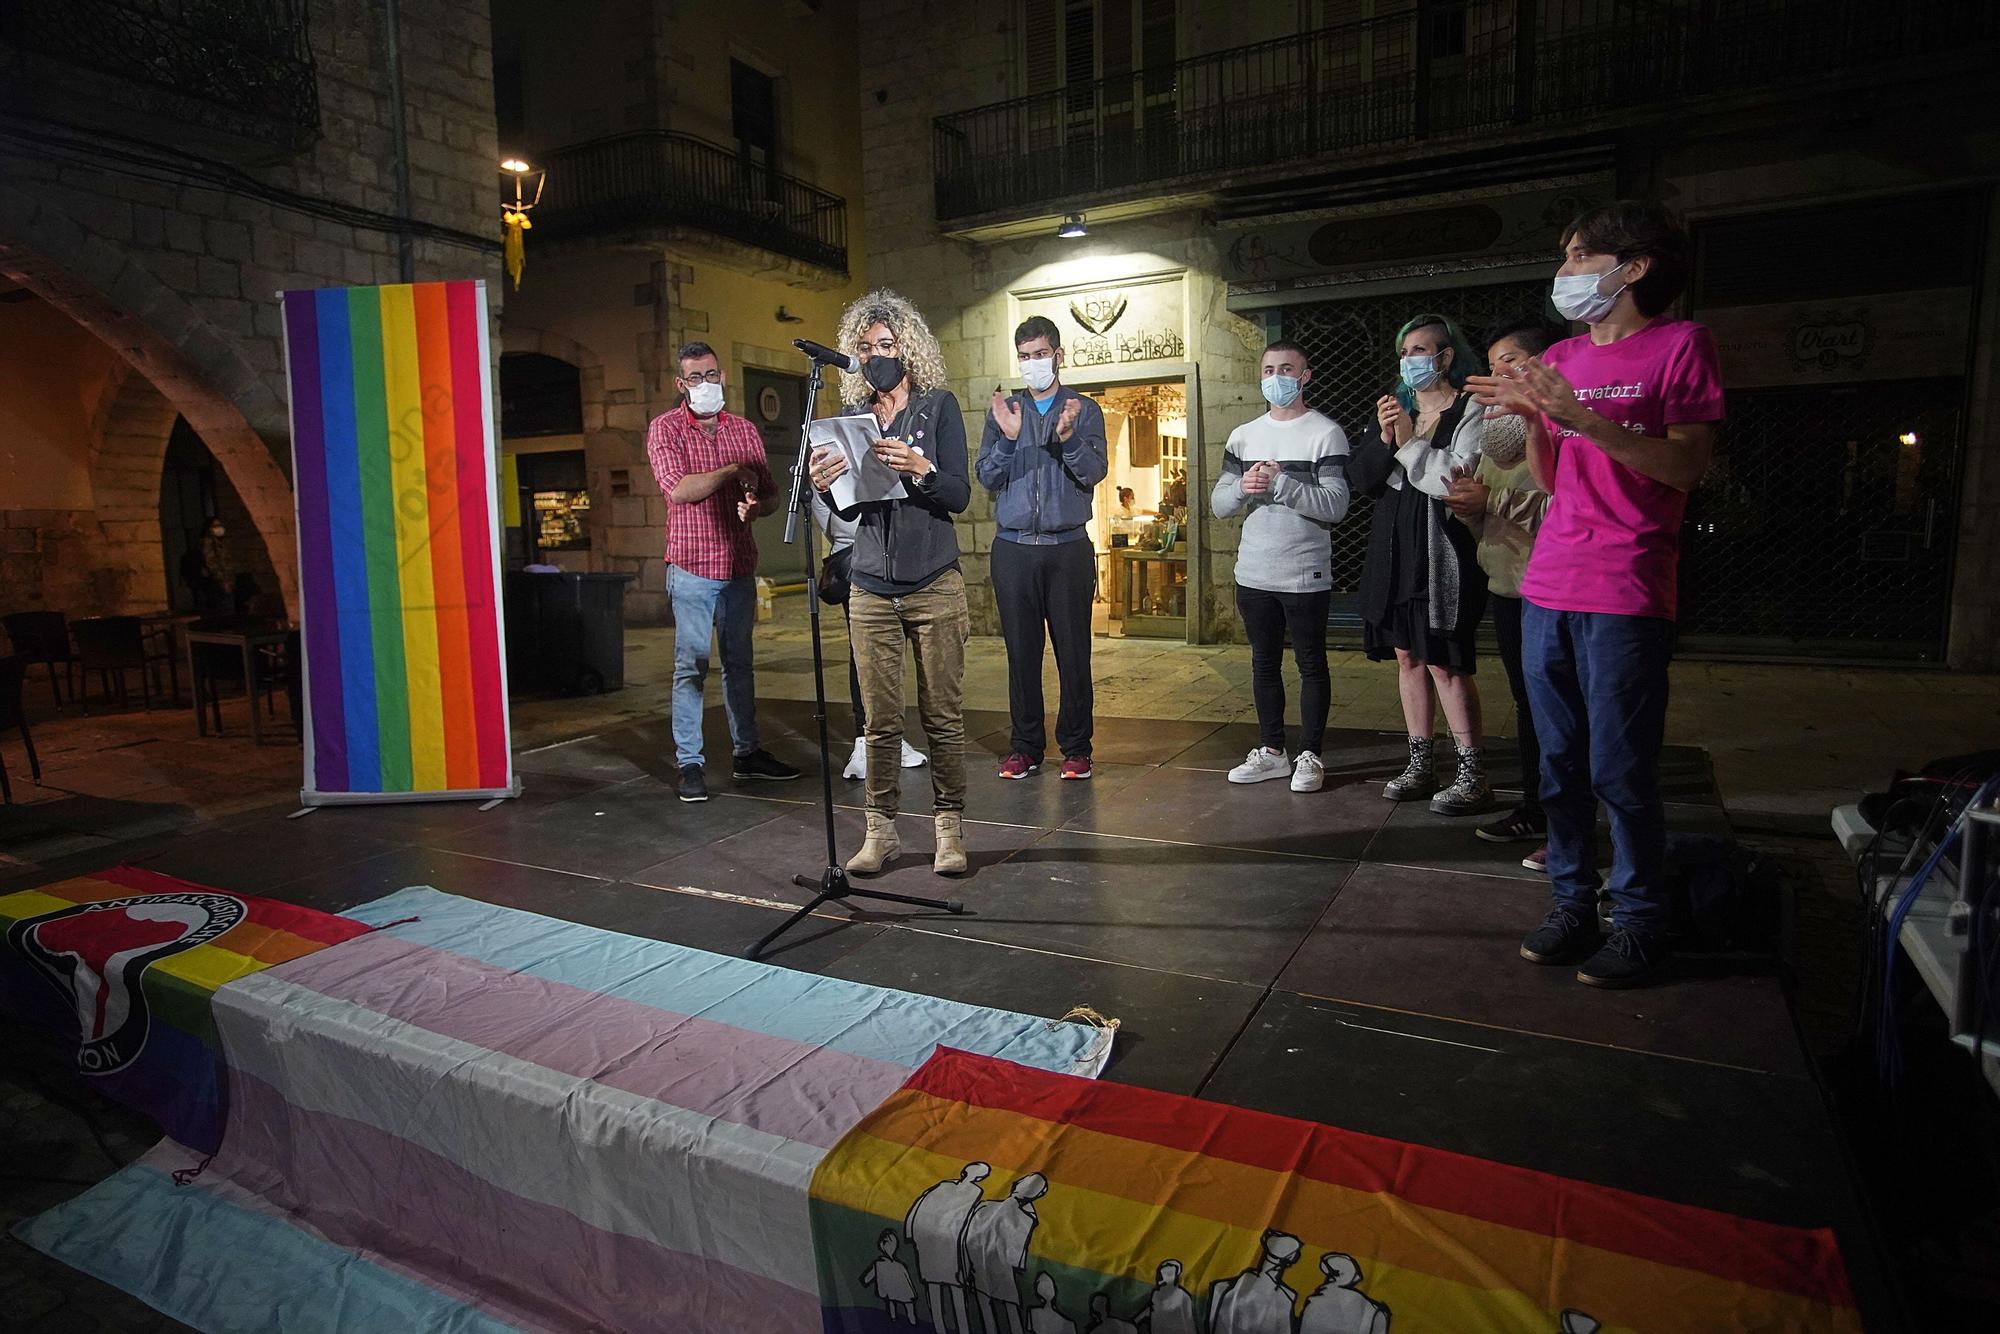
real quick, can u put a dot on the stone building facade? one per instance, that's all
(702, 183)
(149, 213)
(1322, 171)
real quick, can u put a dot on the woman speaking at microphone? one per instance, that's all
(905, 581)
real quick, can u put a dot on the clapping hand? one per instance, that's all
(1467, 495)
(1006, 415)
(1538, 389)
(1257, 478)
(1065, 420)
(1397, 428)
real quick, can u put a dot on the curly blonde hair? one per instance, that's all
(922, 357)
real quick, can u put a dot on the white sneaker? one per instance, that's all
(913, 758)
(1310, 775)
(1259, 765)
(857, 763)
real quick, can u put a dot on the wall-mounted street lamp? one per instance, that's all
(1072, 227)
(514, 214)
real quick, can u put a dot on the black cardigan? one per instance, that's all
(1397, 567)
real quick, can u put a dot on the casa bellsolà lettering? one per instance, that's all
(1135, 321)
(1122, 348)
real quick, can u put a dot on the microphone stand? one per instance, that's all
(832, 882)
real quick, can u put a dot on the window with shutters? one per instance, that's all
(1096, 72)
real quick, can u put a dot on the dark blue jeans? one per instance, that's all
(1598, 683)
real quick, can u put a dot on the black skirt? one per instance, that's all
(1406, 626)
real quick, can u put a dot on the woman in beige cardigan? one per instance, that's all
(1503, 507)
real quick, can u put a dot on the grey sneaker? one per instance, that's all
(1469, 793)
(1417, 781)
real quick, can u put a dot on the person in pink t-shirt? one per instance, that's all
(1621, 427)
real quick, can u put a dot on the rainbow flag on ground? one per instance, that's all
(126, 964)
(398, 545)
(479, 1118)
(982, 1185)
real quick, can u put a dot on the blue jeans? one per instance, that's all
(1598, 684)
(706, 609)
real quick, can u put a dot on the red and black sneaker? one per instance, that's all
(1018, 765)
(1076, 766)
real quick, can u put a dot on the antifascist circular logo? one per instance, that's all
(96, 956)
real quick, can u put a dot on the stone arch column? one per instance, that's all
(194, 367)
(128, 452)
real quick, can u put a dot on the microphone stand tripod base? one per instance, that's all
(833, 884)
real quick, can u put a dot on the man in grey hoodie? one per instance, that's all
(1042, 453)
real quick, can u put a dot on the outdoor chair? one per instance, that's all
(42, 637)
(13, 673)
(112, 646)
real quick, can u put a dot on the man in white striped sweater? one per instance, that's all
(1287, 472)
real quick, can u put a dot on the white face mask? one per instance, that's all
(1039, 372)
(1281, 391)
(705, 399)
(1576, 296)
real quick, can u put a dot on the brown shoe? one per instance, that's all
(879, 847)
(950, 856)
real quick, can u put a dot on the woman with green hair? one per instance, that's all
(1422, 591)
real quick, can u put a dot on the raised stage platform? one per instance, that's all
(1329, 956)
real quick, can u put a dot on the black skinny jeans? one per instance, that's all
(1266, 619)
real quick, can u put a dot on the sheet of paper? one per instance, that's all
(867, 478)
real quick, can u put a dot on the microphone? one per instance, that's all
(826, 356)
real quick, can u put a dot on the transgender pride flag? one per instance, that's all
(392, 443)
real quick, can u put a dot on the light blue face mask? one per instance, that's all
(1281, 391)
(1420, 371)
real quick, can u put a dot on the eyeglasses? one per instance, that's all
(703, 377)
(885, 348)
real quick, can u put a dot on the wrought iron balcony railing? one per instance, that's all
(1444, 70)
(249, 59)
(654, 178)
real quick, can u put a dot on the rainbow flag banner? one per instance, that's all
(478, 1118)
(126, 963)
(984, 1195)
(399, 572)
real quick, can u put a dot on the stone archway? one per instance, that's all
(128, 449)
(196, 370)
(628, 516)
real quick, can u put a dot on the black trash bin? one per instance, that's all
(566, 632)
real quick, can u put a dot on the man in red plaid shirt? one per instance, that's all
(711, 467)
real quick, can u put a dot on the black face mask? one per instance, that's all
(882, 373)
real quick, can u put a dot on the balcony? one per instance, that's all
(1447, 72)
(243, 69)
(654, 179)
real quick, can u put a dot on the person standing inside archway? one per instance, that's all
(1422, 591)
(711, 467)
(1042, 456)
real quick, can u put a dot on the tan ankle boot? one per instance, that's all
(880, 845)
(950, 856)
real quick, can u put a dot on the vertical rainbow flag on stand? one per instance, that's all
(399, 571)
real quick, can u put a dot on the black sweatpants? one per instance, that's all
(1507, 629)
(1046, 590)
(1266, 618)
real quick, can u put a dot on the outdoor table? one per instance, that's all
(251, 644)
